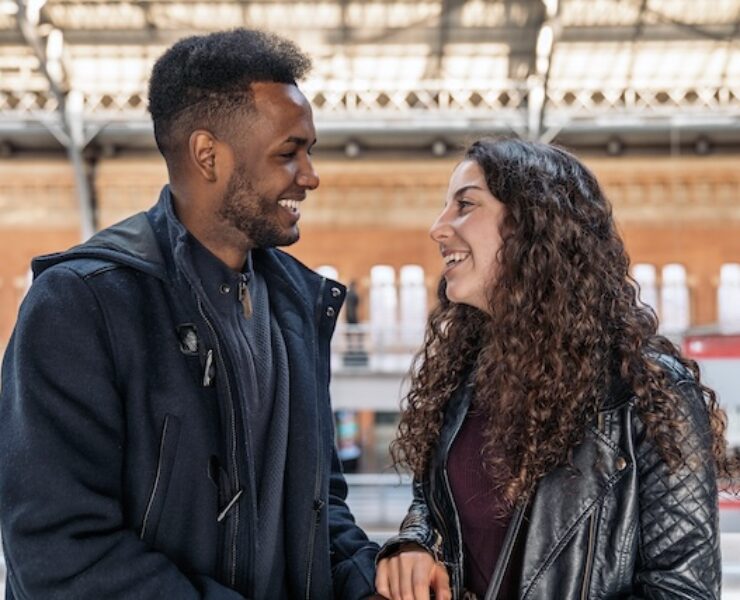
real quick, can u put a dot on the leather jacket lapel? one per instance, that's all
(565, 498)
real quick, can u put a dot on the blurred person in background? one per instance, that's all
(560, 447)
(165, 425)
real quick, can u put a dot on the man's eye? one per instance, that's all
(288, 154)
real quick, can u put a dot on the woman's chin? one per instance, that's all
(466, 300)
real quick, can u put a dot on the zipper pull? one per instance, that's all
(209, 372)
(245, 298)
(318, 504)
(222, 515)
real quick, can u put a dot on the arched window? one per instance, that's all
(328, 271)
(728, 297)
(383, 306)
(413, 305)
(646, 277)
(674, 300)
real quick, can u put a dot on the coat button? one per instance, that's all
(620, 463)
(330, 312)
(335, 292)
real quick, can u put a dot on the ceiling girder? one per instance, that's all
(71, 131)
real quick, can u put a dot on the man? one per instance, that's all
(165, 427)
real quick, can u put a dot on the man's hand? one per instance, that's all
(411, 574)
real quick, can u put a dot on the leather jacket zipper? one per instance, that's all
(591, 532)
(589, 556)
(502, 564)
(459, 566)
(234, 523)
(318, 503)
(457, 518)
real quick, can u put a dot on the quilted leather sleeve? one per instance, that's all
(416, 528)
(679, 547)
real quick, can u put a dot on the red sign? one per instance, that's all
(712, 346)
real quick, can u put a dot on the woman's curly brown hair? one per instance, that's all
(564, 320)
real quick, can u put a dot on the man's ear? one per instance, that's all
(203, 150)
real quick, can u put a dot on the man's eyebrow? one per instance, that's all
(298, 141)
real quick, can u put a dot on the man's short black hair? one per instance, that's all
(202, 80)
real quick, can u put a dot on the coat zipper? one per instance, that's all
(318, 503)
(591, 532)
(156, 479)
(234, 464)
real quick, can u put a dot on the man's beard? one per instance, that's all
(253, 215)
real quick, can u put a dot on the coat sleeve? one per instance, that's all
(62, 441)
(416, 528)
(352, 554)
(679, 545)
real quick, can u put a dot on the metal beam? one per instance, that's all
(537, 82)
(639, 28)
(730, 41)
(640, 23)
(69, 105)
(695, 30)
(448, 10)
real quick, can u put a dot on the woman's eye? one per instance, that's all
(463, 204)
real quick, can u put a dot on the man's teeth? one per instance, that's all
(455, 257)
(291, 205)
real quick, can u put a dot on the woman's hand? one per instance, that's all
(410, 574)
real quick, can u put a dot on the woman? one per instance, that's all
(561, 448)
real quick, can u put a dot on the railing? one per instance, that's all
(431, 101)
(386, 348)
(379, 502)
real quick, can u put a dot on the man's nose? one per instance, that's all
(308, 178)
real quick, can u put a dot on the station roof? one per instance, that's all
(609, 75)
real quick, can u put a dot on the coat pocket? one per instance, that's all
(165, 464)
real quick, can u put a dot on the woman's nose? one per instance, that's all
(440, 229)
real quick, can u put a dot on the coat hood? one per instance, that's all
(154, 242)
(131, 242)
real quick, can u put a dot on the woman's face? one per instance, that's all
(468, 234)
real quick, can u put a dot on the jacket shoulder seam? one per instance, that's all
(603, 437)
(606, 407)
(84, 278)
(101, 270)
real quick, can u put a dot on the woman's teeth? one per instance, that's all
(455, 257)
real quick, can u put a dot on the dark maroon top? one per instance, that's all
(477, 502)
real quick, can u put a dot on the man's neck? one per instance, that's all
(229, 246)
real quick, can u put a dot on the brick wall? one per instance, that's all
(369, 212)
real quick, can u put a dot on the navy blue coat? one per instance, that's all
(125, 467)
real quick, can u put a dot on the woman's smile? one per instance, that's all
(468, 233)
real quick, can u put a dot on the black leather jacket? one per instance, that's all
(620, 526)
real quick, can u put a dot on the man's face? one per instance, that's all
(272, 168)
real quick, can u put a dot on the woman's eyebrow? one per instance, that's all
(464, 189)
